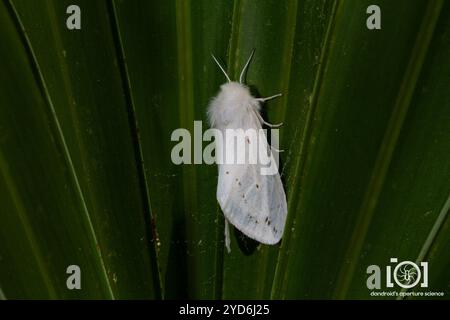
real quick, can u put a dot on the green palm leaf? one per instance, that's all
(86, 117)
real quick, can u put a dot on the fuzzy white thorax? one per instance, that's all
(232, 107)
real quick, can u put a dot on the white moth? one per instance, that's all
(254, 203)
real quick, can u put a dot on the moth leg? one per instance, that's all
(276, 150)
(269, 98)
(270, 125)
(227, 236)
(266, 123)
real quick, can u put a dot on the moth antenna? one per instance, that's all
(246, 66)
(228, 78)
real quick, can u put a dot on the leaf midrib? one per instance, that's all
(280, 273)
(137, 143)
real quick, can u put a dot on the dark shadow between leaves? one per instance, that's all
(176, 275)
(246, 244)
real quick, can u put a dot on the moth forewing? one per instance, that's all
(250, 194)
